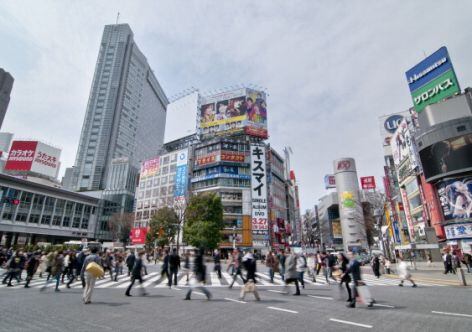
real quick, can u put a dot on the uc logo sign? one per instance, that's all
(392, 123)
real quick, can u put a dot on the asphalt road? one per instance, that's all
(444, 308)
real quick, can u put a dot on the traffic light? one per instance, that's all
(10, 201)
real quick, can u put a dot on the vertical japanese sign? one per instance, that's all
(181, 175)
(259, 223)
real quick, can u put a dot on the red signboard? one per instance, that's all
(368, 182)
(138, 235)
(238, 157)
(206, 160)
(21, 156)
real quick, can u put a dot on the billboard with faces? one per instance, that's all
(234, 112)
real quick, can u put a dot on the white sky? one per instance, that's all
(330, 67)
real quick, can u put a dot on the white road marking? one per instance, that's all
(276, 291)
(199, 293)
(233, 300)
(176, 288)
(383, 305)
(451, 314)
(282, 309)
(321, 297)
(215, 281)
(350, 323)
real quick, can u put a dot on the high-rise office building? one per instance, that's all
(6, 84)
(126, 112)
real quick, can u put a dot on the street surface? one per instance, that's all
(433, 306)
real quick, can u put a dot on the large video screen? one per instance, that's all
(450, 156)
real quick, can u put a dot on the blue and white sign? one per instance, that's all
(433, 66)
(392, 122)
(458, 231)
(181, 175)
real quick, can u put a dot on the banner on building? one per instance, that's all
(260, 224)
(34, 156)
(455, 196)
(458, 231)
(149, 168)
(181, 175)
(329, 181)
(138, 235)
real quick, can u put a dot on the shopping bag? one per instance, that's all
(95, 270)
(364, 295)
(249, 287)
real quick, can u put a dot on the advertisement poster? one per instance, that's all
(33, 156)
(458, 231)
(138, 235)
(447, 157)
(330, 181)
(409, 218)
(260, 225)
(149, 168)
(455, 196)
(403, 146)
(238, 111)
(368, 182)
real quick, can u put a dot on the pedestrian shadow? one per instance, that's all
(111, 304)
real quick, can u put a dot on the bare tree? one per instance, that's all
(120, 225)
(180, 207)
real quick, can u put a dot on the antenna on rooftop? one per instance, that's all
(117, 17)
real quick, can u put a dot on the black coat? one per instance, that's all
(130, 260)
(250, 267)
(174, 262)
(354, 268)
(137, 267)
(199, 267)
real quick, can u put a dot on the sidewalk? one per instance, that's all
(430, 273)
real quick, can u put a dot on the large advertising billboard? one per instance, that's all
(455, 196)
(432, 80)
(33, 156)
(239, 111)
(403, 146)
(447, 157)
(260, 217)
(138, 235)
(389, 124)
(149, 168)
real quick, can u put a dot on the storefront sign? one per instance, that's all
(458, 231)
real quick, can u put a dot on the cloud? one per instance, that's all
(331, 68)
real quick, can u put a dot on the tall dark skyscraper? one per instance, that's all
(126, 113)
(6, 84)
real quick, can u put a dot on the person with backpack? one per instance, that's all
(301, 268)
(249, 264)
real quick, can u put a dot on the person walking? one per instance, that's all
(301, 268)
(354, 269)
(456, 262)
(311, 266)
(118, 265)
(281, 256)
(89, 277)
(137, 274)
(199, 270)
(404, 273)
(57, 266)
(165, 266)
(31, 267)
(273, 264)
(249, 264)
(74, 269)
(217, 263)
(174, 266)
(291, 274)
(345, 278)
(187, 267)
(42, 264)
(107, 264)
(66, 271)
(237, 261)
(130, 262)
(13, 267)
(447, 259)
(467, 259)
(80, 263)
(376, 266)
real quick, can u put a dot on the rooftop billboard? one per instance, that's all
(234, 112)
(33, 156)
(432, 80)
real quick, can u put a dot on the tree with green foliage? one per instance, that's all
(163, 227)
(204, 221)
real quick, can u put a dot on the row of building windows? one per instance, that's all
(225, 146)
(45, 210)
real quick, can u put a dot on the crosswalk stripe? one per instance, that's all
(121, 279)
(215, 281)
(152, 277)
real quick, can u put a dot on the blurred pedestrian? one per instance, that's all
(447, 259)
(237, 260)
(354, 269)
(404, 273)
(291, 275)
(217, 263)
(273, 264)
(345, 278)
(174, 266)
(311, 266)
(57, 266)
(281, 257)
(249, 264)
(376, 266)
(137, 274)
(130, 262)
(199, 270)
(186, 268)
(31, 267)
(165, 265)
(301, 268)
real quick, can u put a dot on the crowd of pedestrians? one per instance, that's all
(64, 267)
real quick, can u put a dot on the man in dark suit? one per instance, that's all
(136, 274)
